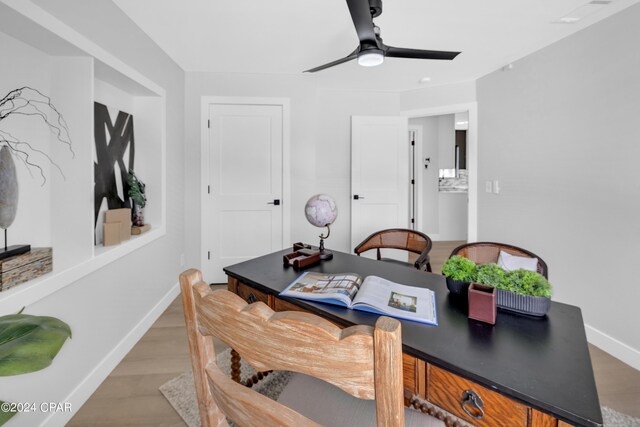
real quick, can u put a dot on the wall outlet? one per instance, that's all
(496, 187)
(488, 187)
(182, 261)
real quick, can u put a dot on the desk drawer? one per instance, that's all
(251, 295)
(282, 305)
(446, 391)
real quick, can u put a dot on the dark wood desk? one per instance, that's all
(528, 371)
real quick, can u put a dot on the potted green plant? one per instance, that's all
(459, 272)
(522, 291)
(139, 198)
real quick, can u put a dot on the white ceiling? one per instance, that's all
(289, 36)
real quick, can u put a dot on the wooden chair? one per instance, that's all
(399, 238)
(363, 361)
(486, 252)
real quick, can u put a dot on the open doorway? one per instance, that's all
(440, 178)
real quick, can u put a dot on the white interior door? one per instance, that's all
(245, 184)
(379, 176)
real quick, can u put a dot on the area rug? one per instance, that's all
(181, 394)
(181, 391)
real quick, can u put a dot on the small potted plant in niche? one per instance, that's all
(459, 272)
(137, 195)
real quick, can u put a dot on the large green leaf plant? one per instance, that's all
(28, 344)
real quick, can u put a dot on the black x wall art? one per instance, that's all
(115, 150)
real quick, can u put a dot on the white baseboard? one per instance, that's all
(90, 384)
(617, 349)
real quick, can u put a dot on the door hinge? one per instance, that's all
(208, 189)
(413, 182)
(209, 124)
(413, 221)
(208, 254)
(413, 143)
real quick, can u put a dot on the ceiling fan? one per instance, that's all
(371, 51)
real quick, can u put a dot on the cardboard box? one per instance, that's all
(123, 216)
(112, 233)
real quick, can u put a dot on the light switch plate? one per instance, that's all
(496, 187)
(488, 187)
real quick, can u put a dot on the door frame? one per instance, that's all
(472, 155)
(418, 161)
(205, 200)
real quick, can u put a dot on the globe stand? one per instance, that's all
(325, 254)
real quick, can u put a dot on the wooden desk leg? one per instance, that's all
(235, 366)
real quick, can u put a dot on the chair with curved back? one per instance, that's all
(339, 371)
(486, 252)
(399, 238)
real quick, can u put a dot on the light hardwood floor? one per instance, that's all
(130, 395)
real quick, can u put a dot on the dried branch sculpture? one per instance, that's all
(27, 101)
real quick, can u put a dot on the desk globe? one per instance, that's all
(321, 211)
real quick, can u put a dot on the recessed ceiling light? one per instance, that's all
(581, 12)
(425, 80)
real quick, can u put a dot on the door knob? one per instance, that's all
(357, 197)
(275, 202)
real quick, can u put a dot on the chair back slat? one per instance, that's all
(248, 408)
(281, 341)
(488, 252)
(363, 361)
(396, 238)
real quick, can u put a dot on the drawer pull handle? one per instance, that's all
(251, 298)
(474, 401)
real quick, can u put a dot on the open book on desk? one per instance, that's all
(373, 294)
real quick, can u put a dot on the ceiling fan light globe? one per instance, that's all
(370, 59)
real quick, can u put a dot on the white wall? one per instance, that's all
(438, 96)
(560, 133)
(320, 144)
(109, 309)
(446, 141)
(28, 68)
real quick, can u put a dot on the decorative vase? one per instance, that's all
(137, 215)
(8, 188)
(482, 303)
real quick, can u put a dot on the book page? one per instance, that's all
(405, 302)
(332, 288)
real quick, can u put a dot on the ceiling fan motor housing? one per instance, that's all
(375, 6)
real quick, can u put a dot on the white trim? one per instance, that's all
(205, 102)
(27, 293)
(53, 24)
(472, 155)
(91, 382)
(417, 164)
(614, 347)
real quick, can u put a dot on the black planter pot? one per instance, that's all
(457, 287)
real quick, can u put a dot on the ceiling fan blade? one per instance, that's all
(361, 16)
(348, 58)
(401, 52)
